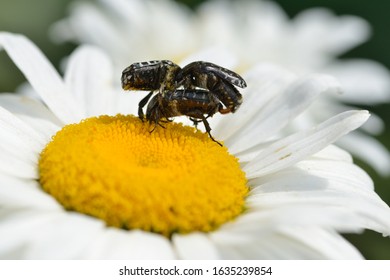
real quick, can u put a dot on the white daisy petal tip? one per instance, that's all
(342, 32)
(321, 83)
(364, 81)
(368, 149)
(89, 70)
(360, 117)
(42, 76)
(296, 147)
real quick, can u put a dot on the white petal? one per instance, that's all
(368, 149)
(32, 112)
(122, 27)
(14, 163)
(41, 75)
(86, 17)
(364, 81)
(239, 23)
(280, 111)
(46, 235)
(374, 125)
(327, 244)
(330, 152)
(333, 152)
(296, 147)
(10, 124)
(137, 245)
(264, 82)
(44, 127)
(335, 187)
(130, 12)
(89, 77)
(20, 104)
(167, 15)
(316, 169)
(218, 15)
(321, 30)
(18, 193)
(20, 145)
(271, 217)
(69, 235)
(293, 243)
(217, 55)
(127, 102)
(194, 246)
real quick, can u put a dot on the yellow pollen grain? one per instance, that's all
(172, 180)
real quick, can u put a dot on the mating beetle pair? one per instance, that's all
(198, 90)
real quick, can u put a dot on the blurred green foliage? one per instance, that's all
(33, 18)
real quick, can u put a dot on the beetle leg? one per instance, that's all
(208, 129)
(142, 104)
(199, 115)
(156, 121)
(195, 122)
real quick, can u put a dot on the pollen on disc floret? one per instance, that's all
(175, 179)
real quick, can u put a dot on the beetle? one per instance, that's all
(197, 104)
(158, 75)
(218, 80)
(184, 91)
(150, 75)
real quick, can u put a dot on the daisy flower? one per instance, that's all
(80, 181)
(252, 32)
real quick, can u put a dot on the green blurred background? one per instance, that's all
(33, 18)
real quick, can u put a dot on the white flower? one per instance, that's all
(303, 191)
(240, 34)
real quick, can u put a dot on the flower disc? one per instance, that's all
(174, 179)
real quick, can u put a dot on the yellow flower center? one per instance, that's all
(172, 180)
